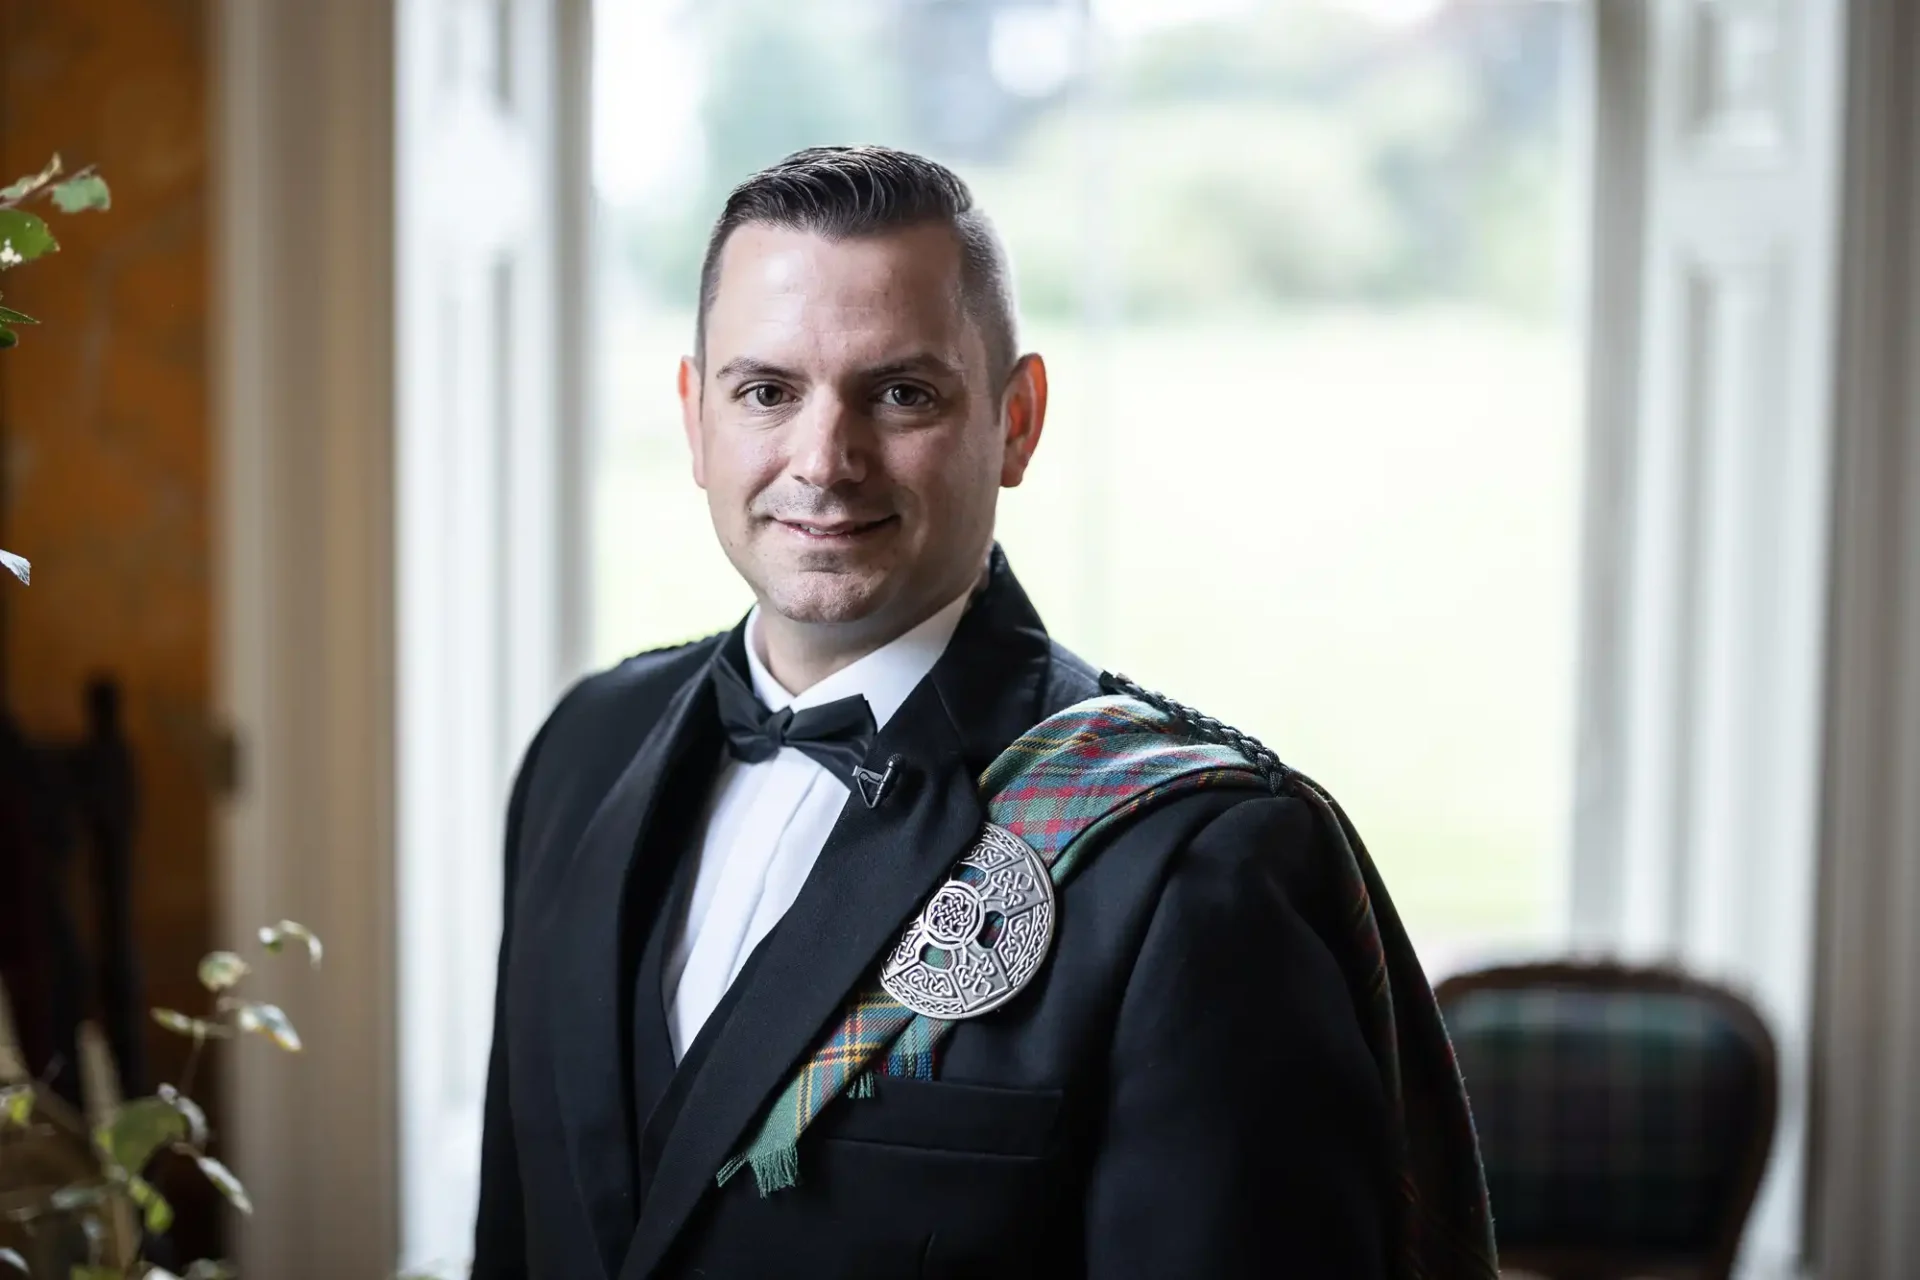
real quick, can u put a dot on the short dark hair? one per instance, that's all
(847, 192)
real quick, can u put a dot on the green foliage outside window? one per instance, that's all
(1268, 161)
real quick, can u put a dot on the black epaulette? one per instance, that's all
(666, 649)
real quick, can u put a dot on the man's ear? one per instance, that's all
(690, 417)
(1023, 413)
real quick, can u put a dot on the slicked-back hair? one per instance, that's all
(844, 193)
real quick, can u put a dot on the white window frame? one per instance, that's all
(487, 395)
(1699, 779)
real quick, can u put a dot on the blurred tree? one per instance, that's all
(779, 77)
(1219, 206)
(1295, 154)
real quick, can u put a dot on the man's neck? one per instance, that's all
(800, 655)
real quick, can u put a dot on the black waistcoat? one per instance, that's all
(656, 909)
(659, 1086)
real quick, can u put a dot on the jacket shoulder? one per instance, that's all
(1274, 828)
(1279, 837)
(650, 677)
(1070, 679)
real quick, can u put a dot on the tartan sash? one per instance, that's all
(1061, 787)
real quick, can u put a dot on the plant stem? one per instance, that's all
(193, 1061)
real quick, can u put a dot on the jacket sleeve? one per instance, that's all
(1246, 1126)
(499, 1237)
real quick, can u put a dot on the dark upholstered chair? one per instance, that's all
(60, 801)
(1625, 1116)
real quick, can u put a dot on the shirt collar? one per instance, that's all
(884, 677)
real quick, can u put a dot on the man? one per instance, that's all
(711, 849)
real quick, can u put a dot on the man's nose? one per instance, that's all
(829, 444)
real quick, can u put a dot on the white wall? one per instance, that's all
(304, 147)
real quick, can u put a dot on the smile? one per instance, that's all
(837, 531)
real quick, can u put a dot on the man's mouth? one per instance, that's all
(837, 530)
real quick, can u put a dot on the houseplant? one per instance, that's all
(74, 1199)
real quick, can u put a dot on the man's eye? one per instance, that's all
(902, 395)
(764, 395)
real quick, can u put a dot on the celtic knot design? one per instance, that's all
(928, 985)
(974, 972)
(1019, 940)
(987, 857)
(983, 968)
(1012, 885)
(954, 914)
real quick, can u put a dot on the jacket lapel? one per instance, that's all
(877, 867)
(586, 985)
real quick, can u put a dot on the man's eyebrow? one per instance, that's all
(924, 362)
(748, 367)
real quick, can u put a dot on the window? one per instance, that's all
(1303, 276)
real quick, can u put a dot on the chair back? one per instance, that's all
(1625, 1115)
(62, 800)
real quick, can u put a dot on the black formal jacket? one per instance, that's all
(1182, 1091)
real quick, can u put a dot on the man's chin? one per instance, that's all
(826, 594)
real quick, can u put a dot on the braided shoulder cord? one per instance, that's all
(1278, 777)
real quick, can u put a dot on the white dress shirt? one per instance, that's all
(766, 824)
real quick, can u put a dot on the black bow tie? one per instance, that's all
(835, 734)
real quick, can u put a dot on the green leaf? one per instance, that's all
(136, 1130)
(26, 186)
(86, 191)
(221, 969)
(208, 1269)
(10, 316)
(17, 566)
(223, 1180)
(267, 1019)
(274, 937)
(96, 1273)
(23, 237)
(16, 1104)
(154, 1209)
(195, 1117)
(13, 1259)
(180, 1024)
(8, 338)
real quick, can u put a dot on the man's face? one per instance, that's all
(846, 428)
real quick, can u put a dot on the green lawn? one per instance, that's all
(1350, 533)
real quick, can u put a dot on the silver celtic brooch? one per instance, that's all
(981, 936)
